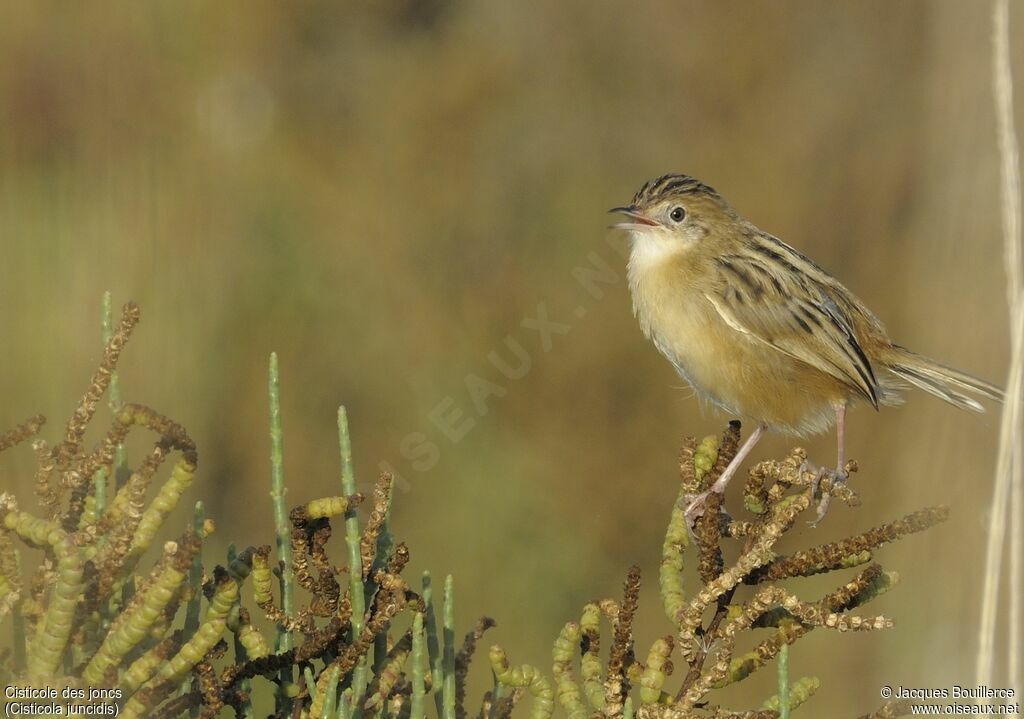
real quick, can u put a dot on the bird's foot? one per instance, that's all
(832, 478)
(694, 504)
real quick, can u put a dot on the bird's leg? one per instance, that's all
(696, 503)
(839, 475)
(841, 438)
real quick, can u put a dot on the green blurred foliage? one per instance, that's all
(382, 192)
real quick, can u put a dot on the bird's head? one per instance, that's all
(673, 212)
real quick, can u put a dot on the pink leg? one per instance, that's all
(741, 454)
(695, 508)
(839, 474)
(841, 436)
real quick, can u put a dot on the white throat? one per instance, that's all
(649, 248)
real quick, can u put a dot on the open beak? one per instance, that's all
(639, 220)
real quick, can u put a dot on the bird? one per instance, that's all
(761, 331)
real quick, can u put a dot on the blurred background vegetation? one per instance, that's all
(383, 192)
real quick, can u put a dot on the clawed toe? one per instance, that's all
(694, 507)
(835, 476)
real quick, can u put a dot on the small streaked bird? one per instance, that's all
(760, 330)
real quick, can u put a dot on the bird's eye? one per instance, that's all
(677, 214)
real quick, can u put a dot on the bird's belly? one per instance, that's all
(745, 376)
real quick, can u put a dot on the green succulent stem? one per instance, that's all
(417, 679)
(283, 638)
(433, 645)
(448, 662)
(783, 681)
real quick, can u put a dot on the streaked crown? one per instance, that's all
(672, 185)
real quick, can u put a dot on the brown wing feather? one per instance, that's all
(793, 314)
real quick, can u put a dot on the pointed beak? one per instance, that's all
(639, 220)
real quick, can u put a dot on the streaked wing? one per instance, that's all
(768, 292)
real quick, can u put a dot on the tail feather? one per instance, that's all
(944, 382)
